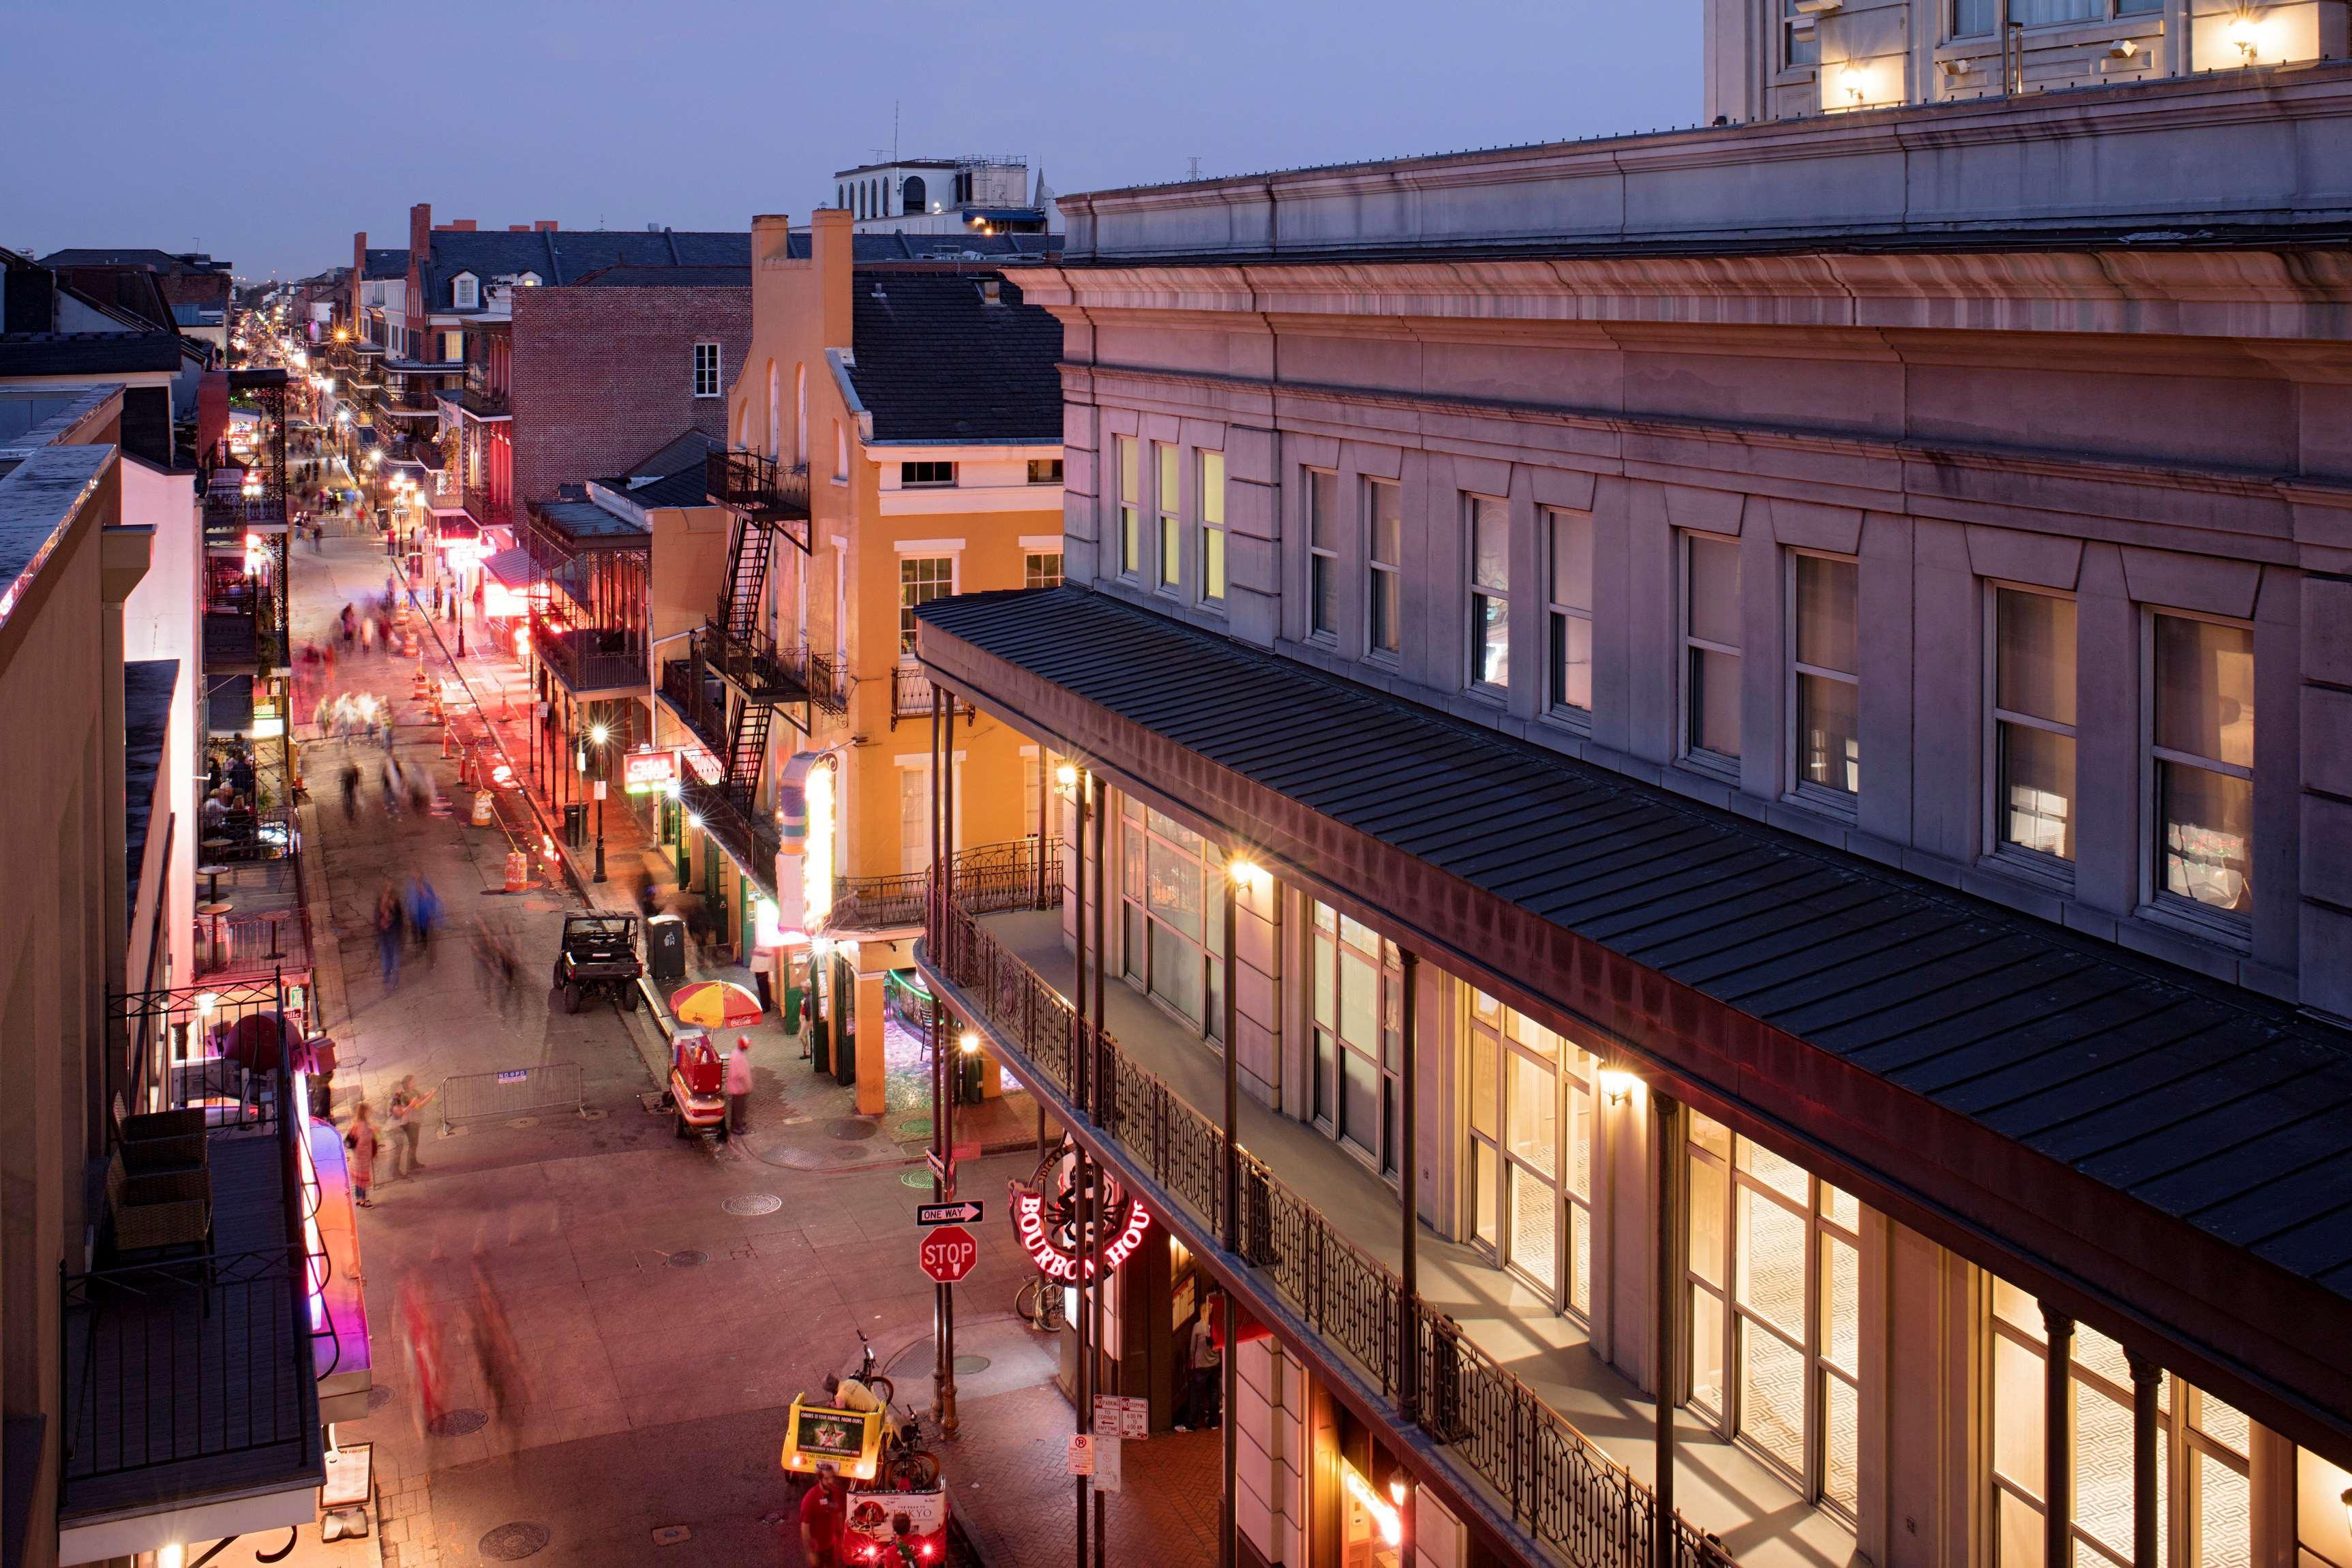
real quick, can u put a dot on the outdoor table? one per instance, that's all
(214, 912)
(273, 917)
(213, 873)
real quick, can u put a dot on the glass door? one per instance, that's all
(1532, 1129)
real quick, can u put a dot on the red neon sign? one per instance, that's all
(1046, 1251)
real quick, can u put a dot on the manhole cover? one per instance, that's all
(914, 1127)
(524, 1122)
(460, 1424)
(513, 1543)
(378, 1397)
(753, 1203)
(687, 1259)
(591, 1114)
(915, 1179)
(672, 1534)
(849, 1128)
(971, 1364)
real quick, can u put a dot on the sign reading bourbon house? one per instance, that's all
(1047, 1218)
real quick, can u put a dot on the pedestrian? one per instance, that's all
(1203, 1382)
(388, 918)
(824, 1511)
(391, 788)
(424, 914)
(351, 777)
(409, 1125)
(495, 1351)
(362, 1142)
(738, 1086)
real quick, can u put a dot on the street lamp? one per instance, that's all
(599, 734)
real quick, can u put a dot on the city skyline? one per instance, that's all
(599, 135)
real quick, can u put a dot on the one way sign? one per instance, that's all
(966, 1212)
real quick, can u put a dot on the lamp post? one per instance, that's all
(600, 734)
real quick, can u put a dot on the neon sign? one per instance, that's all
(1045, 1220)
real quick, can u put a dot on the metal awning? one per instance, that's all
(2170, 1156)
(510, 567)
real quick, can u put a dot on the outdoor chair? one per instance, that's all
(162, 1139)
(166, 1210)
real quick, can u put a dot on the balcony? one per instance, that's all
(589, 661)
(759, 486)
(992, 876)
(911, 695)
(751, 839)
(695, 695)
(1507, 1390)
(265, 930)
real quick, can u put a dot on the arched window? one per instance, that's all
(743, 423)
(914, 195)
(775, 412)
(799, 414)
(840, 450)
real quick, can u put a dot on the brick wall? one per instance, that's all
(604, 376)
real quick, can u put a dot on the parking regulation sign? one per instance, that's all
(948, 1254)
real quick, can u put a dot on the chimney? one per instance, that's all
(359, 276)
(543, 226)
(518, 228)
(458, 225)
(420, 231)
(771, 236)
(832, 245)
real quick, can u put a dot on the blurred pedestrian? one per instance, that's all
(362, 1143)
(388, 918)
(351, 777)
(495, 1351)
(424, 914)
(738, 1086)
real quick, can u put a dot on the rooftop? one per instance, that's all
(628, 277)
(387, 263)
(87, 353)
(583, 523)
(672, 477)
(2259, 156)
(937, 361)
(136, 256)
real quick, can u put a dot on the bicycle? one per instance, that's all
(879, 1385)
(906, 1466)
(1038, 1304)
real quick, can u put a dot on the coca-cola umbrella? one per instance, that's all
(258, 1042)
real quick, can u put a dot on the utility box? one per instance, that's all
(666, 949)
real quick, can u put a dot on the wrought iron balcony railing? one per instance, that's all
(769, 671)
(1554, 1481)
(750, 482)
(911, 695)
(588, 659)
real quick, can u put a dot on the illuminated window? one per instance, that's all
(2033, 723)
(1213, 527)
(1775, 1282)
(1357, 983)
(1532, 1125)
(2202, 753)
(1490, 592)
(1172, 914)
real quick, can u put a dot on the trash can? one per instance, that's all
(575, 825)
(666, 949)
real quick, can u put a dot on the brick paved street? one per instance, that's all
(662, 1335)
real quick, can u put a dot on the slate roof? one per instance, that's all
(87, 353)
(387, 263)
(135, 256)
(566, 256)
(2206, 1103)
(937, 363)
(670, 477)
(627, 276)
(583, 523)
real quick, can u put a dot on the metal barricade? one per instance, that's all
(514, 1092)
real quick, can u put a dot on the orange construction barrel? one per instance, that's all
(517, 867)
(482, 808)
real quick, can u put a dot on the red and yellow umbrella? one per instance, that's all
(714, 1005)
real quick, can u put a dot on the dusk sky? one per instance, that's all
(266, 132)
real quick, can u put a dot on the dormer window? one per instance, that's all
(527, 280)
(466, 291)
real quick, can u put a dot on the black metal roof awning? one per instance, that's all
(2168, 1157)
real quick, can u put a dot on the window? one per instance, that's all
(1531, 1123)
(921, 579)
(1823, 679)
(1711, 645)
(1213, 527)
(1322, 553)
(913, 476)
(2033, 723)
(1801, 46)
(1171, 524)
(1131, 507)
(840, 450)
(1490, 592)
(1041, 570)
(465, 292)
(1044, 470)
(800, 420)
(2202, 1447)
(1774, 1283)
(1172, 915)
(1384, 565)
(913, 194)
(1570, 543)
(1355, 1017)
(706, 370)
(2203, 753)
(1972, 18)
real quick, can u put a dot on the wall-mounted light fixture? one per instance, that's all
(2123, 48)
(970, 1043)
(1617, 1086)
(2246, 34)
(1852, 79)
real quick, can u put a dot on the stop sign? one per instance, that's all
(948, 1253)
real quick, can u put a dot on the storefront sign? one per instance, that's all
(648, 772)
(1046, 1219)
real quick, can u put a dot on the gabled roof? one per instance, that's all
(671, 476)
(937, 363)
(136, 256)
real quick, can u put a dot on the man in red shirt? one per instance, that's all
(823, 1513)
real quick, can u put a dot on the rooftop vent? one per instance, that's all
(992, 291)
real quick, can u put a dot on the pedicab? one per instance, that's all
(897, 1506)
(698, 1084)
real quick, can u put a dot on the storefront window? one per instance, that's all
(1358, 998)
(2207, 1522)
(1172, 888)
(1775, 1282)
(1531, 1123)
